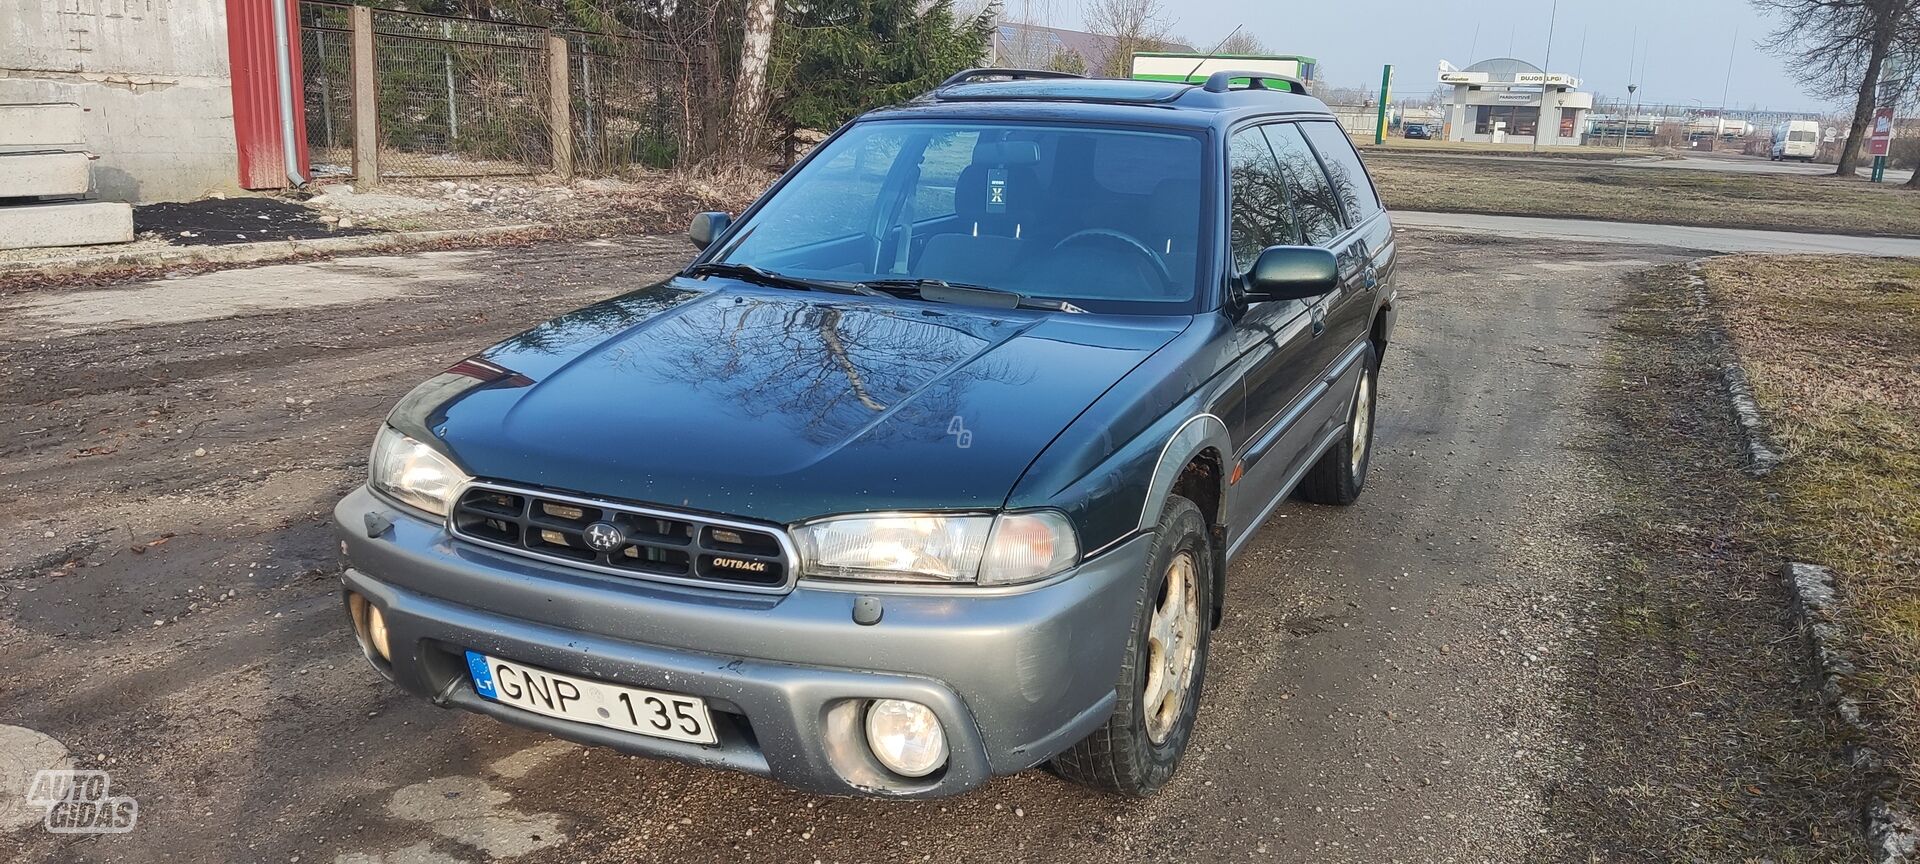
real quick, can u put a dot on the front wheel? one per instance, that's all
(1342, 471)
(1158, 694)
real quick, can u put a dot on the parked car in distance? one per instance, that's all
(929, 467)
(1796, 139)
(1416, 130)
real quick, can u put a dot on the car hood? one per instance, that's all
(778, 405)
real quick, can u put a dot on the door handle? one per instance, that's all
(1319, 320)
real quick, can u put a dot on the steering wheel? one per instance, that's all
(1112, 238)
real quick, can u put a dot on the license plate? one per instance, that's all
(628, 709)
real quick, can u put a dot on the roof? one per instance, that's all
(1504, 68)
(1199, 56)
(1156, 103)
(1034, 46)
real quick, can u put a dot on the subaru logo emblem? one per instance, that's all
(605, 536)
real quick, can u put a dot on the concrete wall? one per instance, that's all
(153, 77)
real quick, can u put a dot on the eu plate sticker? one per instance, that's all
(482, 675)
(996, 190)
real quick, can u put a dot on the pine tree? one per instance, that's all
(836, 58)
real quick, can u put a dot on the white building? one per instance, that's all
(1508, 101)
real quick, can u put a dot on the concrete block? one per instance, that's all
(28, 174)
(43, 124)
(71, 223)
(172, 144)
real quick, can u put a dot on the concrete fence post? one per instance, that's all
(559, 107)
(366, 101)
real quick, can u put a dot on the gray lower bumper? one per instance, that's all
(1014, 677)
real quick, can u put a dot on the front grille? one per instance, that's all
(644, 542)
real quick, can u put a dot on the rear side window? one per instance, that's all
(1260, 216)
(1343, 166)
(1314, 201)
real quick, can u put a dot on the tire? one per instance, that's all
(1339, 475)
(1134, 754)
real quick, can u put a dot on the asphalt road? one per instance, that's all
(1740, 164)
(1384, 688)
(1668, 236)
(1728, 162)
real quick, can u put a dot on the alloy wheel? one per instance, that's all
(1362, 422)
(1173, 647)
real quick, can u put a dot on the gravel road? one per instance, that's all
(1384, 688)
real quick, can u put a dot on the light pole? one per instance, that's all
(1631, 89)
(1540, 123)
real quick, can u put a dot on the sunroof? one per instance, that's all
(1091, 90)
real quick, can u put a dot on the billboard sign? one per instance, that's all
(1450, 75)
(1880, 135)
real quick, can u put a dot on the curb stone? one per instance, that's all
(245, 253)
(1761, 457)
(1892, 833)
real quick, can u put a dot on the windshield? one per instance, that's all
(1108, 219)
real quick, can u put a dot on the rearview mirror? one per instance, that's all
(1290, 273)
(707, 227)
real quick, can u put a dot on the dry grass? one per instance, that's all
(1833, 348)
(1635, 148)
(1703, 742)
(1674, 196)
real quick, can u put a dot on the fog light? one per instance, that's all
(370, 625)
(377, 632)
(906, 737)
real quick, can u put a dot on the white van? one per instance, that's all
(1796, 139)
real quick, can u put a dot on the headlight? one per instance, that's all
(413, 472)
(987, 550)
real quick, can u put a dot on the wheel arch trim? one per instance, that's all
(1199, 432)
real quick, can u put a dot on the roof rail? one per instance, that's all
(1222, 81)
(967, 76)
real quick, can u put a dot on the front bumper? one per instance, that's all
(1015, 678)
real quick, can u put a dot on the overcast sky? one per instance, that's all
(1685, 42)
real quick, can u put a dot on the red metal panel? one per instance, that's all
(256, 81)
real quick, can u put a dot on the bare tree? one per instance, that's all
(1844, 46)
(1132, 25)
(750, 89)
(1242, 42)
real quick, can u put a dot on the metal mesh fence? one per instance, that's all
(460, 98)
(326, 65)
(622, 103)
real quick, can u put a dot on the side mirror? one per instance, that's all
(1290, 273)
(707, 227)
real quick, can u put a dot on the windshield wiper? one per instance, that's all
(942, 291)
(761, 276)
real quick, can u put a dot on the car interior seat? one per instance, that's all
(995, 202)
